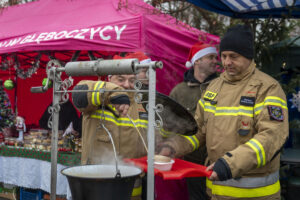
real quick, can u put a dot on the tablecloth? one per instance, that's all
(32, 173)
(64, 158)
(31, 168)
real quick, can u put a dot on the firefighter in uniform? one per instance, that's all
(243, 121)
(203, 60)
(121, 120)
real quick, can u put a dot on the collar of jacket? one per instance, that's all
(192, 81)
(241, 77)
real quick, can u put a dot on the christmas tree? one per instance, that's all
(6, 114)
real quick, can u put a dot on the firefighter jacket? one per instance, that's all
(188, 93)
(245, 122)
(97, 110)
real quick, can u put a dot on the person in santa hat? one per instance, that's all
(202, 61)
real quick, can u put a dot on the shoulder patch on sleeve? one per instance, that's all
(276, 113)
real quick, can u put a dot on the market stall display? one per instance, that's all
(20, 127)
(40, 139)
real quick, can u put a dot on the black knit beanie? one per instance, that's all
(239, 39)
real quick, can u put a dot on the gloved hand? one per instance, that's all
(214, 175)
(121, 103)
(122, 109)
(221, 170)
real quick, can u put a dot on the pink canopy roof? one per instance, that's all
(58, 28)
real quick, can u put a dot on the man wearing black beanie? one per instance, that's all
(240, 40)
(243, 121)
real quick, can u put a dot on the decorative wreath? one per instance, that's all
(22, 73)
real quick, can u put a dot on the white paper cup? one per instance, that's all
(164, 166)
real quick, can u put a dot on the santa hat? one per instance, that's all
(197, 51)
(117, 57)
(140, 56)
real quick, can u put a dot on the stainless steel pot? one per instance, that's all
(101, 182)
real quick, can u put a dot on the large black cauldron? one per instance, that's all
(99, 182)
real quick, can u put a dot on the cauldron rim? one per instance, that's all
(100, 178)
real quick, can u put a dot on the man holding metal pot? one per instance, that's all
(243, 121)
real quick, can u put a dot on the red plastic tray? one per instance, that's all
(180, 169)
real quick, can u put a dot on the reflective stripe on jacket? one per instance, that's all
(97, 146)
(246, 187)
(119, 121)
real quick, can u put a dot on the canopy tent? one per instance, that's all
(251, 8)
(47, 29)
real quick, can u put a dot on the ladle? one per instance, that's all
(118, 174)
